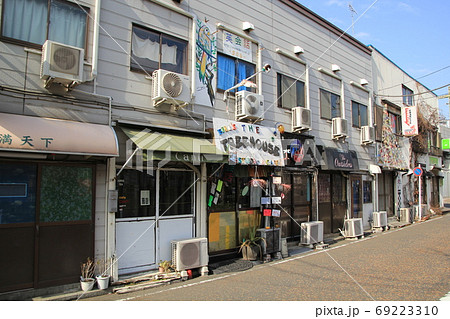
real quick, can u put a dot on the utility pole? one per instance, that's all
(353, 11)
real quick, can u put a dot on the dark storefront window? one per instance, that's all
(176, 193)
(17, 193)
(367, 192)
(137, 194)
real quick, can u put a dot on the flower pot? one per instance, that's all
(102, 282)
(250, 252)
(87, 284)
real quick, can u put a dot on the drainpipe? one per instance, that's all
(95, 41)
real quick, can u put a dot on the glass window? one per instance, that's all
(367, 192)
(176, 193)
(66, 193)
(291, 93)
(330, 105)
(17, 193)
(151, 50)
(29, 21)
(137, 194)
(231, 71)
(359, 114)
(408, 97)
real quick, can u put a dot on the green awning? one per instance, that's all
(172, 147)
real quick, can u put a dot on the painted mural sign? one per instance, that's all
(237, 46)
(205, 64)
(409, 121)
(248, 144)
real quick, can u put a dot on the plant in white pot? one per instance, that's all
(103, 273)
(87, 275)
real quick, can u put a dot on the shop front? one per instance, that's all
(339, 193)
(161, 194)
(246, 193)
(49, 196)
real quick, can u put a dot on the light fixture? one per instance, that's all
(335, 68)
(298, 49)
(363, 82)
(247, 26)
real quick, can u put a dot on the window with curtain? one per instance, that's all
(330, 105)
(31, 23)
(291, 93)
(231, 71)
(151, 50)
(359, 114)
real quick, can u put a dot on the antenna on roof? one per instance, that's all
(353, 12)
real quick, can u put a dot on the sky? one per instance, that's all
(414, 34)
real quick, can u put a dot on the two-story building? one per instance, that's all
(128, 125)
(407, 135)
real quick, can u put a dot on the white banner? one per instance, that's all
(409, 121)
(237, 46)
(248, 144)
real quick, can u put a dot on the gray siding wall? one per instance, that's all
(277, 25)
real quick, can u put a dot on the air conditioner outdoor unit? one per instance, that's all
(272, 240)
(353, 228)
(379, 219)
(249, 106)
(311, 233)
(406, 215)
(62, 63)
(171, 88)
(190, 253)
(339, 128)
(416, 211)
(367, 135)
(301, 119)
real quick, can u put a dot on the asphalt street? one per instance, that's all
(404, 264)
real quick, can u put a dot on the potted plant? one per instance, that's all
(87, 275)
(103, 277)
(164, 266)
(251, 247)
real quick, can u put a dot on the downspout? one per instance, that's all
(95, 41)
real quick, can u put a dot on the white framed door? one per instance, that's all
(154, 210)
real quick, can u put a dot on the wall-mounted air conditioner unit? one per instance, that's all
(62, 63)
(406, 215)
(171, 88)
(311, 233)
(339, 128)
(353, 228)
(190, 253)
(379, 219)
(367, 135)
(301, 119)
(249, 106)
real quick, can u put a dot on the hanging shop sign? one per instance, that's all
(248, 144)
(337, 159)
(237, 46)
(409, 121)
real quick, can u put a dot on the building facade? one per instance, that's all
(180, 120)
(404, 144)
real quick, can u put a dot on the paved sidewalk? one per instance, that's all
(73, 291)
